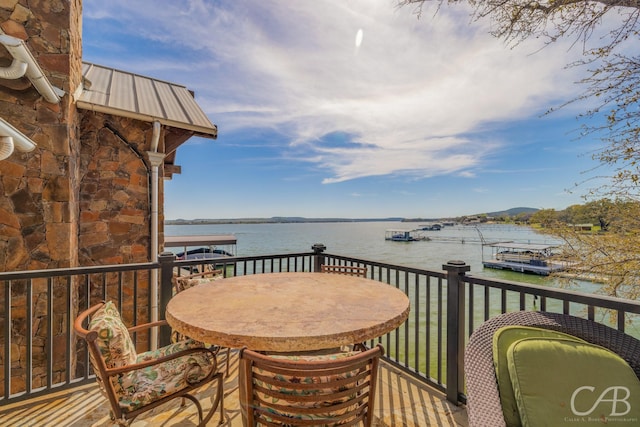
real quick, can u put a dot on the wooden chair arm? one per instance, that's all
(147, 326)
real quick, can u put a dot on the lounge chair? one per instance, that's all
(483, 395)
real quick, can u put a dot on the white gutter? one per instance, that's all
(6, 147)
(14, 71)
(22, 59)
(156, 159)
(11, 137)
(203, 131)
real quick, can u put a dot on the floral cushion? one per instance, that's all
(189, 282)
(314, 357)
(114, 340)
(319, 380)
(146, 385)
(143, 386)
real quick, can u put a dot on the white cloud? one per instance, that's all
(411, 95)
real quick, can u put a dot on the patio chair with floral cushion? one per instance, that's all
(134, 383)
(182, 283)
(191, 280)
(335, 389)
(535, 368)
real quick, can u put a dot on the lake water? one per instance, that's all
(366, 240)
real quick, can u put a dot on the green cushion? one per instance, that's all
(560, 382)
(502, 340)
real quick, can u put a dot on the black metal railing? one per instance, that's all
(38, 309)
(39, 350)
(447, 306)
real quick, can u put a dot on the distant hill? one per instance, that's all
(509, 212)
(294, 219)
(513, 211)
(272, 220)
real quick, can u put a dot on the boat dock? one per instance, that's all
(541, 270)
(226, 241)
(531, 258)
(404, 235)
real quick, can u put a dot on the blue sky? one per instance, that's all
(352, 108)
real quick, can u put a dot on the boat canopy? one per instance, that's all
(211, 240)
(522, 246)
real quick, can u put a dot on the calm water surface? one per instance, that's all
(366, 240)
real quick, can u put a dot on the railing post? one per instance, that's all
(166, 260)
(318, 258)
(455, 328)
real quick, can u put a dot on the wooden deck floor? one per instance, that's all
(401, 401)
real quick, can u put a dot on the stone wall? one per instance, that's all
(114, 190)
(38, 203)
(115, 209)
(82, 197)
(39, 189)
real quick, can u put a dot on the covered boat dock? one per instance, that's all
(226, 242)
(532, 258)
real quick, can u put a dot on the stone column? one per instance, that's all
(39, 189)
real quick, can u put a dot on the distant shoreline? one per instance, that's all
(274, 220)
(299, 219)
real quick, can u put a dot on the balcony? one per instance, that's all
(49, 377)
(401, 401)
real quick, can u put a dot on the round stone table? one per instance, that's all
(285, 312)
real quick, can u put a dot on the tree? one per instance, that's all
(603, 212)
(612, 84)
(521, 217)
(575, 214)
(613, 76)
(610, 257)
(544, 217)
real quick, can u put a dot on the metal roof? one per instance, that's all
(121, 93)
(523, 246)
